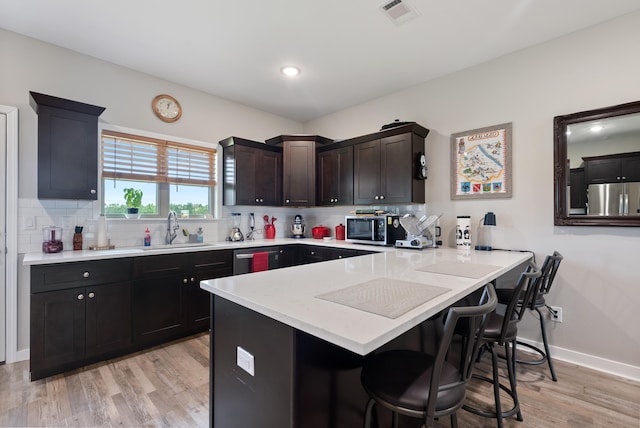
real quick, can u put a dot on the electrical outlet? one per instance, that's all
(555, 313)
(245, 361)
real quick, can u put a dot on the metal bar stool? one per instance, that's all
(425, 386)
(543, 285)
(502, 330)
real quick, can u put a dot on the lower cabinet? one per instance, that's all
(77, 315)
(314, 254)
(168, 302)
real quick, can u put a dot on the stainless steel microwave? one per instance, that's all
(376, 230)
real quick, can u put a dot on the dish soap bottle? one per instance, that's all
(147, 238)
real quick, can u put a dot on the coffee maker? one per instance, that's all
(297, 228)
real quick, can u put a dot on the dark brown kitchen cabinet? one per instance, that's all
(204, 265)
(299, 167)
(80, 313)
(384, 170)
(335, 176)
(614, 168)
(252, 173)
(578, 191)
(167, 300)
(67, 148)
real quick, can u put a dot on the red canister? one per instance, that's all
(340, 232)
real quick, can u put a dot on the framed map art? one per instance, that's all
(481, 163)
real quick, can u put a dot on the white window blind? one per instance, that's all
(131, 157)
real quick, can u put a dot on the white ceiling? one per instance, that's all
(349, 52)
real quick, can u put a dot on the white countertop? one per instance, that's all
(39, 258)
(289, 295)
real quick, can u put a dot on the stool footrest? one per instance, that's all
(490, 413)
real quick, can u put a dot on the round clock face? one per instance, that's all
(166, 108)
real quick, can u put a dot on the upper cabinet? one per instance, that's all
(310, 170)
(299, 167)
(252, 173)
(334, 175)
(67, 148)
(385, 167)
(612, 168)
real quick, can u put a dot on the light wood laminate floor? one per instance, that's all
(168, 386)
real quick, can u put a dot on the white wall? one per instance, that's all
(598, 284)
(30, 65)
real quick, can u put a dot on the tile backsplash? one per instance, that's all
(35, 214)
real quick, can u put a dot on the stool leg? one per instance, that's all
(510, 353)
(546, 345)
(367, 413)
(496, 385)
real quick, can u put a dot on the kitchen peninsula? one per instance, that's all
(285, 348)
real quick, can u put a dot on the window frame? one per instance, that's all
(163, 190)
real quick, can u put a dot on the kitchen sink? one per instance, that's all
(179, 245)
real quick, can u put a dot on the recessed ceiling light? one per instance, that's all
(290, 71)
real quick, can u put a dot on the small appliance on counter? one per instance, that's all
(236, 234)
(51, 239)
(297, 228)
(320, 232)
(421, 233)
(375, 229)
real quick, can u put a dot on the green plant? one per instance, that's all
(133, 197)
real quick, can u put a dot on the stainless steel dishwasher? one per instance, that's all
(243, 259)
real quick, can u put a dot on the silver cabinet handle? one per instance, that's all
(257, 200)
(193, 279)
(92, 191)
(381, 196)
(185, 280)
(376, 197)
(80, 296)
(92, 295)
(286, 201)
(85, 274)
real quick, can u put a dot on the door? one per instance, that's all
(366, 176)
(3, 228)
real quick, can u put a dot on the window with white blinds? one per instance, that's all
(131, 157)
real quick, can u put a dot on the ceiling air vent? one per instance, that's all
(399, 11)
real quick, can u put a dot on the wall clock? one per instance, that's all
(166, 108)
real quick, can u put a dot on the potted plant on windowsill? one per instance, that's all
(133, 199)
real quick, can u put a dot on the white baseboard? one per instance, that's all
(616, 368)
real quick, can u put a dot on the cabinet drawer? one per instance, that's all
(70, 275)
(158, 266)
(212, 261)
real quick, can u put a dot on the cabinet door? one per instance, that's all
(396, 169)
(366, 172)
(268, 178)
(299, 178)
(630, 168)
(578, 190)
(246, 167)
(335, 177)
(205, 265)
(159, 304)
(57, 330)
(108, 318)
(67, 154)
(603, 171)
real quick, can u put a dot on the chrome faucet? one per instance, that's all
(172, 226)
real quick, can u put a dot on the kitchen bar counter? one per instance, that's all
(283, 357)
(289, 295)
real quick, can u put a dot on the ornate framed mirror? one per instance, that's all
(597, 167)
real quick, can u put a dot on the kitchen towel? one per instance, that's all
(260, 261)
(468, 270)
(388, 297)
